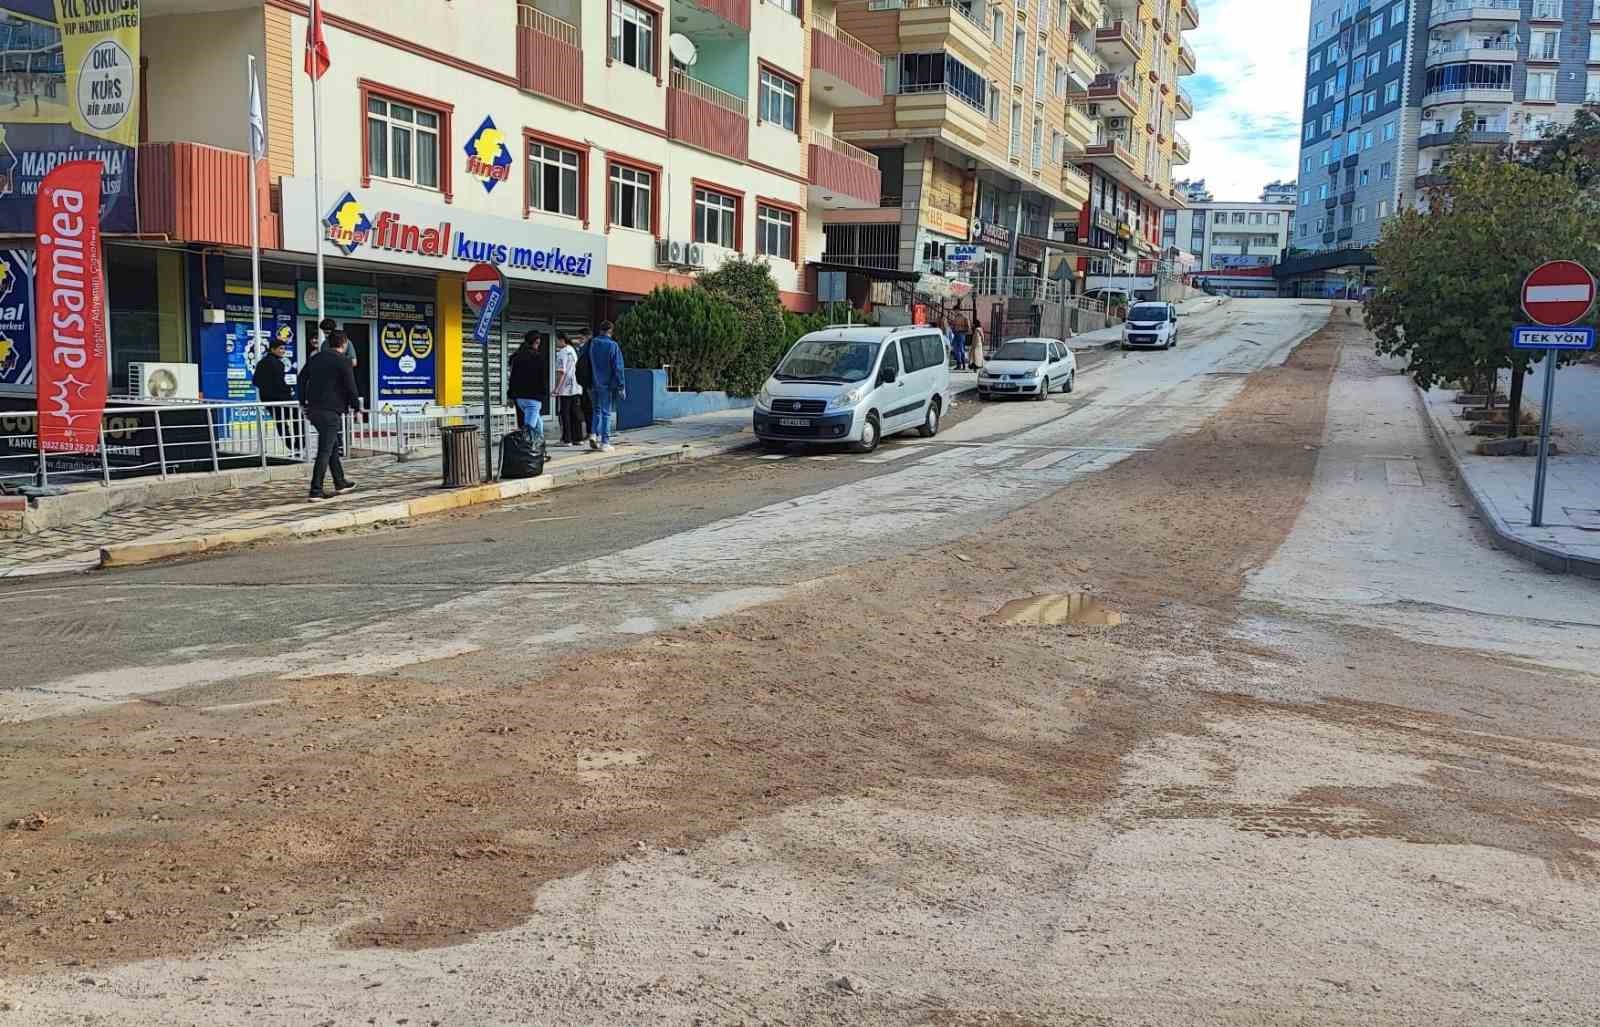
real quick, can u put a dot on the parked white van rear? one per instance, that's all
(856, 385)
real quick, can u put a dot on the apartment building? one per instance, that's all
(1388, 82)
(594, 149)
(1010, 132)
(1223, 235)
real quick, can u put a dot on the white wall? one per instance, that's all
(197, 85)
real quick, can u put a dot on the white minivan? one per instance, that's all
(856, 385)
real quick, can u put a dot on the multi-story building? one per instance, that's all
(1280, 192)
(1193, 191)
(1388, 82)
(1013, 130)
(594, 150)
(1222, 235)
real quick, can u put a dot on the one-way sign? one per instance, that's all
(1531, 337)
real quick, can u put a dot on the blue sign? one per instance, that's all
(16, 319)
(491, 307)
(1577, 337)
(406, 354)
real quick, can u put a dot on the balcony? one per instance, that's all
(1484, 51)
(841, 176)
(195, 193)
(1112, 156)
(1183, 104)
(1492, 13)
(708, 118)
(1188, 64)
(845, 72)
(1328, 237)
(1079, 128)
(1188, 15)
(549, 61)
(1119, 44)
(1354, 160)
(1180, 149)
(1116, 96)
(1074, 186)
(1346, 234)
(941, 110)
(1086, 14)
(1492, 137)
(1468, 95)
(1347, 197)
(734, 12)
(1432, 180)
(1330, 202)
(927, 26)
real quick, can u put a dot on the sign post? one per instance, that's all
(486, 294)
(1556, 296)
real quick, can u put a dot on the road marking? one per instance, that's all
(1048, 460)
(776, 456)
(891, 455)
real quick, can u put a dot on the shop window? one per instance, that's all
(403, 142)
(779, 100)
(138, 317)
(556, 178)
(632, 199)
(633, 35)
(716, 218)
(775, 232)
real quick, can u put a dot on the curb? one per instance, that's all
(133, 554)
(1548, 557)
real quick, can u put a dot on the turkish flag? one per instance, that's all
(317, 58)
(71, 303)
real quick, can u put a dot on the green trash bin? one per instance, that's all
(460, 451)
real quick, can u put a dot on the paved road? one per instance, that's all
(610, 562)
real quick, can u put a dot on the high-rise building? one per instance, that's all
(1388, 82)
(1280, 192)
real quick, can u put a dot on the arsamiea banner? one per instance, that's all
(69, 90)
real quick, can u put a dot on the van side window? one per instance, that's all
(891, 359)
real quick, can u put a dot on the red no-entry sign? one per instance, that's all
(1558, 293)
(480, 280)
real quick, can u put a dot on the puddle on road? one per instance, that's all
(1077, 608)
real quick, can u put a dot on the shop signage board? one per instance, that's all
(394, 226)
(229, 352)
(990, 234)
(967, 255)
(69, 91)
(488, 156)
(341, 302)
(945, 223)
(16, 321)
(74, 361)
(407, 355)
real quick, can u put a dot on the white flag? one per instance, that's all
(258, 124)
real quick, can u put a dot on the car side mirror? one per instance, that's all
(888, 376)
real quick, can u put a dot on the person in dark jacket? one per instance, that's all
(585, 374)
(529, 385)
(327, 391)
(606, 369)
(271, 379)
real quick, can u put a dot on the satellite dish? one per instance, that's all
(683, 49)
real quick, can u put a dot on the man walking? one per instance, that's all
(272, 386)
(585, 388)
(529, 385)
(327, 390)
(568, 393)
(605, 360)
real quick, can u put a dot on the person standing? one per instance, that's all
(328, 391)
(271, 379)
(568, 393)
(977, 345)
(605, 360)
(529, 387)
(585, 375)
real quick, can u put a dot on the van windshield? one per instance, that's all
(1034, 351)
(1148, 312)
(828, 362)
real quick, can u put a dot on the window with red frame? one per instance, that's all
(775, 232)
(716, 218)
(403, 141)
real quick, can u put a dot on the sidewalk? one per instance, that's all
(1502, 490)
(388, 491)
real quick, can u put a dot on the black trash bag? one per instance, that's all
(522, 455)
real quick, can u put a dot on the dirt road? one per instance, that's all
(858, 799)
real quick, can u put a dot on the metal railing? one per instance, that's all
(972, 10)
(1451, 51)
(832, 29)
(1075, 173)
(844, 149)
(184, 438)
(1441, 8)
(530, 17)
(709, 93)
(919, 88)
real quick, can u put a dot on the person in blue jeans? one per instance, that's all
(528, 386)
(605, 357)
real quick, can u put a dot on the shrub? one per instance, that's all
(695, 332)
(748, 287)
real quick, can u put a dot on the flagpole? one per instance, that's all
(255, 210)
(316, 162)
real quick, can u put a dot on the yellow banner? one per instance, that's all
(100, 45)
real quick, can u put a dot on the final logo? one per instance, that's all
(347, 225)
(488, 157)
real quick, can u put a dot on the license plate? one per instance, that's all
(1004, 388)
(794, 422)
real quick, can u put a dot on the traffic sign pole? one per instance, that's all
(1558, 294)
(1542, 467)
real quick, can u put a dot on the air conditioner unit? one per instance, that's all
(669, 253)
(694, 255)
(1116, 123)
(164, 381)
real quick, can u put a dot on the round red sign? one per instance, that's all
(1558, 293)
(480, 280)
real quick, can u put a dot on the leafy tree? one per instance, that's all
(1451, 284)
(1573, 152)
(749, 289)
(693, 331)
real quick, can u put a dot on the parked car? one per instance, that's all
(856, 385)
(1151, 324)
(1028, 367)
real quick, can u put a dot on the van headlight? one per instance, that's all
(764, 399)
(847, 399)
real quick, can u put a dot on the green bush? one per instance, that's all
(695, 332)
(747, 285)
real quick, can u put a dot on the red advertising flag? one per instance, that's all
(318, 59)
(71, 309)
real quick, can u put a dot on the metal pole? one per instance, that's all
(316, 189)
(211, 433)
(255, 224)
(105, 461)
(488, 435)
(261, 431)
(1540, 469)
(38, 440)
(161, 444)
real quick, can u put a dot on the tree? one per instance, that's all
(1451, 284)
(1573, 152)
(692, 331)
(749, 289)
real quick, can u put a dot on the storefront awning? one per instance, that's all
(876, 274)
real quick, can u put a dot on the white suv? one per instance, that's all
(1151, 324)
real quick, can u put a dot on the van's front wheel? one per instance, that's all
(869, 436)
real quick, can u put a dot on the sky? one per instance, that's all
(1248, 92)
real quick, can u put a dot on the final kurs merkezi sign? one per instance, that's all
(69, 90)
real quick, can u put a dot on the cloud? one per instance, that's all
(1248, 92)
